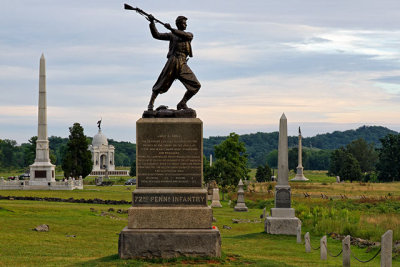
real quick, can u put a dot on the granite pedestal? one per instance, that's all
(169, 216)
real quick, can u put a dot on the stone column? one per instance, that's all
(323, 248)
(282, 220)
(346, 251)
(283, 164)
(307, 242)
(386, 249)
(42, 171)
(299, 174)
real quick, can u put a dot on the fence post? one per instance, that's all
(346, 251)
(307, 242)
(323, 246)
(386, 249)
(298, 234)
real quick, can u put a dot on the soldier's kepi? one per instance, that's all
(176, 67)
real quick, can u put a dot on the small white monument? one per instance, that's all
(282, 219)
(215, 199)
(240, 205)
(299, 175)
(42, 171)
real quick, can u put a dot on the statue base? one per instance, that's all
(164, 112)
(299, 175)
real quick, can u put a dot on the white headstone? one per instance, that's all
(307, 242)
(299, 234)
(386, 249)
(346, 251)
(215, 199)
(323, 248)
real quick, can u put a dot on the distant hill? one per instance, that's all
(259, 145)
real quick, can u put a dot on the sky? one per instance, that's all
(328, 65)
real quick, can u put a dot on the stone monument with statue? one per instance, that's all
(169, 216)
(299, 173)
(282, 219)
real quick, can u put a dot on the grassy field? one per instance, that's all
(87, 234)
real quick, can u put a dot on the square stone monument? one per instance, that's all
(169, 216)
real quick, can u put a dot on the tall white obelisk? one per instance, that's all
(42, 171)
(299, 174)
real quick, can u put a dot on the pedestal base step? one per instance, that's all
(168, 243)
(281, 226)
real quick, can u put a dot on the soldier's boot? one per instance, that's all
(182, 104)
(151, 103)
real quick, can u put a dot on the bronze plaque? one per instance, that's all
(40, 174)
(169, 153)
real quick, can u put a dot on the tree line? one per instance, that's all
(363, 158)
(260, 145)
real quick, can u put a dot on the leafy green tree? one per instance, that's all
(293, 158)
(345, 165)
(132, 171)
(263, 173)
(388, 166)
(231, 163)
(272, 159)
(317, 159)
(8, 150)
(207, 173)
(77, 160)
(30, 151)
(364, 153)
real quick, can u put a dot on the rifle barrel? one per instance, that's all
(142, 12)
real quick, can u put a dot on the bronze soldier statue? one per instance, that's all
(176, 67)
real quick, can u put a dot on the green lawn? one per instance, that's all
(87, 234)
(79, 235)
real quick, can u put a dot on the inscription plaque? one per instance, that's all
(282, 199)
(178, 199)
(40, 174)
(169, 153)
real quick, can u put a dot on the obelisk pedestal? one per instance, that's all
(42, 172)
(282, 219)
(299, 173)
(169, 216)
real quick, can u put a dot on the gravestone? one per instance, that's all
(215, 199)
(386, 249)
(346, 251)
(299, 234)
(240, 205)
(169, 216)
(307, 242)
(323, 248)
(210, 187)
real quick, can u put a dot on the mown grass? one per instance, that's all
(79, 236)
(89, 192)
(96, 237)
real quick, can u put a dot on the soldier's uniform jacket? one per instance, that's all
(179, 41)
